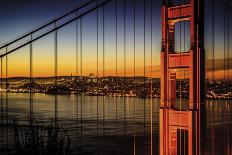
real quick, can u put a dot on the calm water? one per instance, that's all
(114, 125)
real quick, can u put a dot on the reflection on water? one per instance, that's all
(113, 125)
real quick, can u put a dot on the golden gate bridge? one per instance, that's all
(181, 131)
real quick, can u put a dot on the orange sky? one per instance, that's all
(43, 62)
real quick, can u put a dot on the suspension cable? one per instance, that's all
(116, 68)
(97, 66)
(228, 42)
(213, 37)
(225, 12)
(116, 35)
(103, 98)
(7, 90)
(56, 73)
(134, 76)
(144, 62)
(51, 22)
(151, 88)
(77, 47)
(81, 70)
(144, 67)
(31, 81)
(1, 103)
(77, 77)
(124, 28)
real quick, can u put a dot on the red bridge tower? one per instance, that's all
(174, 123)
(194, 59)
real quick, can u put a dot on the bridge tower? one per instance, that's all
(173, 122)
(193, 59)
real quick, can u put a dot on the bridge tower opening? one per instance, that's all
(180, 131)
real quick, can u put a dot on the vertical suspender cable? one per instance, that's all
(228, 51)
(103, 42)
(77, 77)
(144, 55)
(134, 46)
(225, 11)
(97, 65)
(124, 97)
(144, 63)
(134, 41)
(213, 36)
(1, 106)
(7, 89)
(31, 82)
(81, 69)
(116, 34)
(228, 69)
(77, 47)
(228, 43)
(213, 55)
(56, 88)
(116, 43)
(151, 88)
(134, 81)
